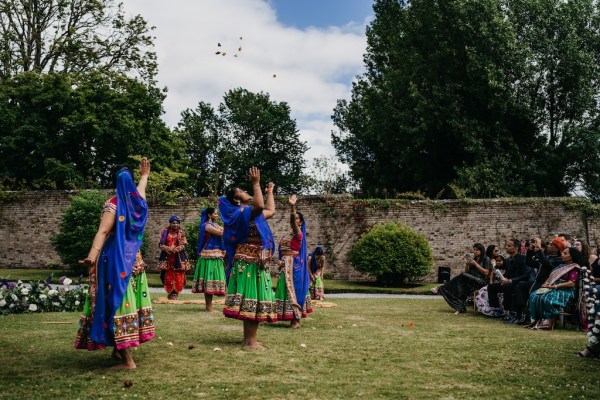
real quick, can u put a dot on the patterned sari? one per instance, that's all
(118, 311)
(546, 304)
(249, 245)
(292, 296)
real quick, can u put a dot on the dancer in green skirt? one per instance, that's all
(249, 245)
(292, 300)
(118, 311)
(209, 277)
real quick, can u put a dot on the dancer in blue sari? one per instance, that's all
(292, 297)
(249, 245)
(113, 318)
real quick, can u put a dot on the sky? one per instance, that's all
(303, 52)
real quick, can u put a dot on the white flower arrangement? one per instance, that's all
(40, 297)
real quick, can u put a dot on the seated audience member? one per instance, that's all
(492, 252)
(585, 251)
(542, 265)
(477, 268)
(517, 271)
(482, 304)
(557, 291)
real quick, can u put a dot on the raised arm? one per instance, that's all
(258, 203)
(144, 173)
(293, 224)
(269, 210)
(106, 224)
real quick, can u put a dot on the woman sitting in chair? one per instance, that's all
(557, 292)
(477, 268)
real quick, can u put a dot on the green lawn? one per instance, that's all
(331, 286)
(359, 349)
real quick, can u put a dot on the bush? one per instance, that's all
(191, 233)
(78, 226)
(392, 253)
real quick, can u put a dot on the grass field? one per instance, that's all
(331, 285)
(361, 349)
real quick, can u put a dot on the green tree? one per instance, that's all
(487, 97)
(392, 253)
(248, 129)
(209, 150)
(324, 176)
(78, 227)
(65, 131)
(73, 36)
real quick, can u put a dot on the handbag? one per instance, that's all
(543, 290)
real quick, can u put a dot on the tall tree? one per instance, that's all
(248, 129)
(73, 36)
(77, 127)
(479, 97)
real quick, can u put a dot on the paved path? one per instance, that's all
(341, 295)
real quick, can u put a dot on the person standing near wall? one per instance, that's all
(209, 277)
(173, 260)
(249, 245)
(292, 300)
(115, 313)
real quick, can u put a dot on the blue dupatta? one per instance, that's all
(236, 220)
(301, 275)
(115, 263)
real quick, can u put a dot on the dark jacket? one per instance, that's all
(517, 269)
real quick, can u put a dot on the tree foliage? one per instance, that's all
(392, 253)
(246, 129)
(324, 176)
(78, 227)
(73, 36)
(65, 131)
(481, 97)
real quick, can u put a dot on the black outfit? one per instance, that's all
(517, 271)
(462, 286)
(541, 265)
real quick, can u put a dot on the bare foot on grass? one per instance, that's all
(124, 366)
(254, 346)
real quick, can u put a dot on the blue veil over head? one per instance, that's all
(115, 263)
(236, 220)
(301, 275)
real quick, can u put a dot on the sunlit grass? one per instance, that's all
(359, 349)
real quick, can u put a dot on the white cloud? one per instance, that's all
(311, 64)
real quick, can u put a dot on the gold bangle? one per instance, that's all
(94, 247)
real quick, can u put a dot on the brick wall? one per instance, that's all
(450, 226)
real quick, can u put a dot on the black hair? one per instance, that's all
(319, 251)
(576, 256)
(299, 214)
(500, 257)
(230, 193)
(209, 211)
(517, 244)
(481, 249)
(490, 251)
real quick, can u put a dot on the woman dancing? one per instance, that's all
(117, 310)
(209, 277)
(292, 299)
(249, 245)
